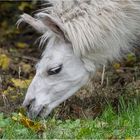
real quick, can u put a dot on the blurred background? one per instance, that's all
(19, 54)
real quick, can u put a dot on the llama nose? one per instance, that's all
(28, 103)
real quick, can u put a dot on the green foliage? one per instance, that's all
(110, 125)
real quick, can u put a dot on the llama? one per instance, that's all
(79, 36)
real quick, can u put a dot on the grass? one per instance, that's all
(111, 125)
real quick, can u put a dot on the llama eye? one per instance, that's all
(55, 70)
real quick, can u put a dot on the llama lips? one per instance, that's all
(35, 112)
(42, 113)
(38, 112)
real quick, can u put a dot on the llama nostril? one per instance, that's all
(27, 104)
(28, 107)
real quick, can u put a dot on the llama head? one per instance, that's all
(82, 34)
(59, 74)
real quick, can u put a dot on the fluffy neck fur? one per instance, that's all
(100, 31)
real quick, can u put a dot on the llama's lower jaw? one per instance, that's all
(41, 112)
(35, 113)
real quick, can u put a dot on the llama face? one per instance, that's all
(98, 32)
(59, 74)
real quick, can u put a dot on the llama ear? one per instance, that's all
(52, 23)
(36, 24)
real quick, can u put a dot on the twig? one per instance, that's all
(27, 58)
(0, 82)
(127, 68)
(6, 103)
(19, 72)
(84, 114)
(103, 75)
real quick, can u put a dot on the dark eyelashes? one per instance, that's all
(55, 70)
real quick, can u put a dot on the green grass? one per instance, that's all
(124, 124)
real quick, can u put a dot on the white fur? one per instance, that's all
(99, 30)
(93, 33)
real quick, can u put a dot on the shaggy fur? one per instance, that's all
(99, 30)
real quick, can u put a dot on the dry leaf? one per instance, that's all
(26, 67)
(101, 124)
(14, 118)
(129, 139)
(22, 45)
(117, 66)
(21, 83)
(4, 62)
(24, 5)
(131, 58)
(1, 130)
(35, 126)
(8, 90)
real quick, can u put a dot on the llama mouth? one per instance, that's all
(42, 112)
(36, 113)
